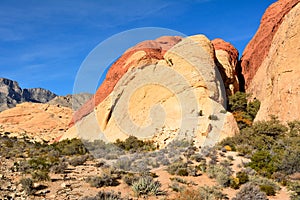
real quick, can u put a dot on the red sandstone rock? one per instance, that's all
(220, 44)
(227, 56)
(154, 51)
(258, 48)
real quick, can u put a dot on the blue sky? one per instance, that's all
(44, 42)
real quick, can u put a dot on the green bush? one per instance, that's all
(102, 195)
(133, 144)
(147, 186)
(268, 189)
(27, 185)
(205, 192)
(39, 163)
(294, 187)
(220, 173)
(176, 187)
(178, 168)
(264, 163)
(213, 117)
(266, 185)
(211, 193)
(250, 191)
(78, 160)
(243, 111)
(40, 175)
(243, 177)
(130, 178)
(70, 147)
(59, 168)
(238, 101)
(106, 179)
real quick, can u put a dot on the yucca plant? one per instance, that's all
(145, 185)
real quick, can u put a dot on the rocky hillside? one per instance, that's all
(74, 101)
(11, 94)
(35, 120)
(270, 62)
(180, 75)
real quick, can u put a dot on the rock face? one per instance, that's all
(35, 120)
(11, 94)
(161, 90)
(144, 53)
(258, 48)
(227, 55)
(74, 101)
(271, 62)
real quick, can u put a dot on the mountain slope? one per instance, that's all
(11, 94)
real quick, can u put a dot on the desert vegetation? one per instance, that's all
(255, 164)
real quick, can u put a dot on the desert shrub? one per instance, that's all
(123, 163)
(268, 189)
(179, 180)
(176, 187)
(27, 185)
(230, 158)
(250, 191)
(178, 168)
(223, 111)
(238, 102)
(164, 161)
(263, 162)
(59, 168)
(106, 179)
(197, 157)
(241, 178)
(78, 160)
(147, 186)
(40, 175)
(294, 187)
(189, 152)
(243, 112)
(133, 144)
(103, 195)
(288, 153)
(220, 173)
(202, 166)
(140, 166)
(211, 193)
(70, 147)
(179, 144)
(257, 180)
(228, 143)
(130, 178)
(111, 156)
(21, 166)
(234, 183)
(225, 163)
(272, 146)
(39, 163)
(213, 117)
(205, 192)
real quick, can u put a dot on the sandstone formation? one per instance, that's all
(162, 90)
(74, 101)
(227, 56)
(11, 94)
(258, 48)
(144, 53)
(275, 79)
(35, 120)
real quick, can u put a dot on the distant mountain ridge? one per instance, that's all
(12, 94)
(74, 101)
